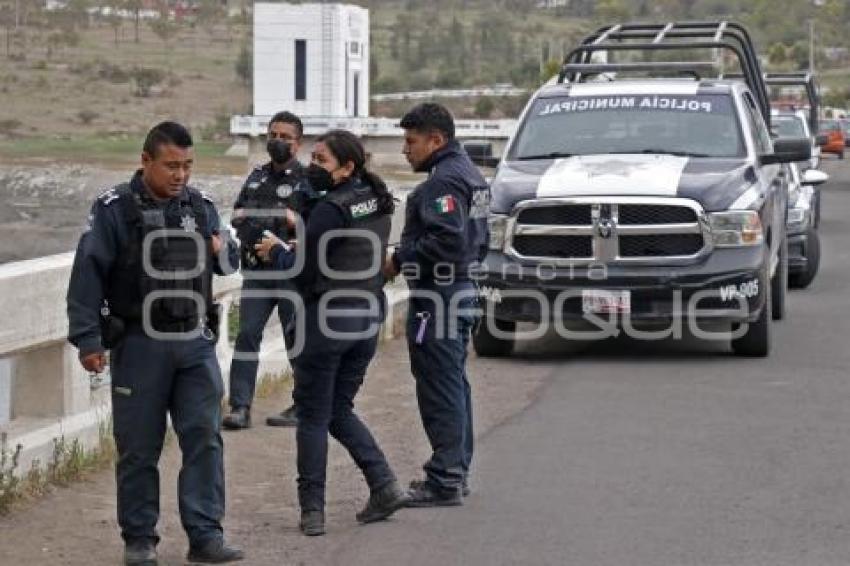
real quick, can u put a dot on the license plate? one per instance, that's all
(597, 301)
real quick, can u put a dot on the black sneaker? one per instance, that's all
(312, 523)
(239, 418)
(382, 503)
(284, 418)
(215, 551)
(464, 490)
(140, 553)
(426, 494)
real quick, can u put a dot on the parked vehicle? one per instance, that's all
(643, 197)
(804, 203)
(836, 139)
(845, 125)
(795, 125)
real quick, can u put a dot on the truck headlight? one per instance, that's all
(736, 228)
(498, 224)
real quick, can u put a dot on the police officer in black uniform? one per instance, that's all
(261, 205)
(141, 287)
(445, 235)
(341, 282)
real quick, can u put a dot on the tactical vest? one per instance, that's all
(169, 254)
(359, 205)
(271, 195)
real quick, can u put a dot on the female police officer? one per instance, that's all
(341, 282)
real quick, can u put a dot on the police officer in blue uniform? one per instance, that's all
(341, 282)
(269, 191)
(141, 287)
(445, 235)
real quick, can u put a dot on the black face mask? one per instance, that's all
(319, 178)
(279, 151)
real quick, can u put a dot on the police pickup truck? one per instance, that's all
(642, 205)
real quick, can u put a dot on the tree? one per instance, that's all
(164, 28)
(145, 78)
(209, 15)
(777, 54)
(135, 7)
(484, 107)
(245, 65)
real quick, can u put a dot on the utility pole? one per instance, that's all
(811, 45)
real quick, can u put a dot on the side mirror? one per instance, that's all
(822, 139)
(788, 150)
(814, 177)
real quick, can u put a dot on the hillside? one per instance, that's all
(68, 75)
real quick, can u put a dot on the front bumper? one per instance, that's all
(727, 286)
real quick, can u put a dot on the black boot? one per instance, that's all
(382, 503)
(214, 552)
(140, 553)
(465, 490)
(428, 494)
(239, 418)
(312, 523)
(284, 418)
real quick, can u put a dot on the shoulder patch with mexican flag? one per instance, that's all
(445, 204)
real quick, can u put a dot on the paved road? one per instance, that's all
(667, 454)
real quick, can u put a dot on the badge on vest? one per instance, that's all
(188, 223)
(108, 196)
(445, 204)
(284, 191)
(480, 204)
(362, 209)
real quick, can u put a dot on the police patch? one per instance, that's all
(480, 204)
(445, 204)
(284, 191)
(108, 196)
(362, 209)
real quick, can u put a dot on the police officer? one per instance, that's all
(341, 282)
(444, 236)
(141, 286)
(269, 191)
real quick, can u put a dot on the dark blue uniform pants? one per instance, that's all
(328, 375)
(438, 365)
(150, 379)
(254, 313)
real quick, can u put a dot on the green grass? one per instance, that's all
(124, 150)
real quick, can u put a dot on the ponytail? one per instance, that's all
(386, 202)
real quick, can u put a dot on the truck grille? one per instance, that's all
(609, 230)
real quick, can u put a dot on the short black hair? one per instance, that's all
(166, 133)
(288, 118)
(429, 117)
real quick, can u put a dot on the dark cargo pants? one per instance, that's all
(150, 380)
(438, 364)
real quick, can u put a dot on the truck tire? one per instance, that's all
(803, 279)
(487, 345)
(755, 343)
(779, 283)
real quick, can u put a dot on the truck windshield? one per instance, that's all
(698, 125)
(788, 127)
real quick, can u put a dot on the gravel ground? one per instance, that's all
(76, 525)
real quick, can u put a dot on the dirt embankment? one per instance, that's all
(43, 210)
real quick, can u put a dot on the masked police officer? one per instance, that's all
(341, 282)
(141, 286)
(269, 191)
(444, 236)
